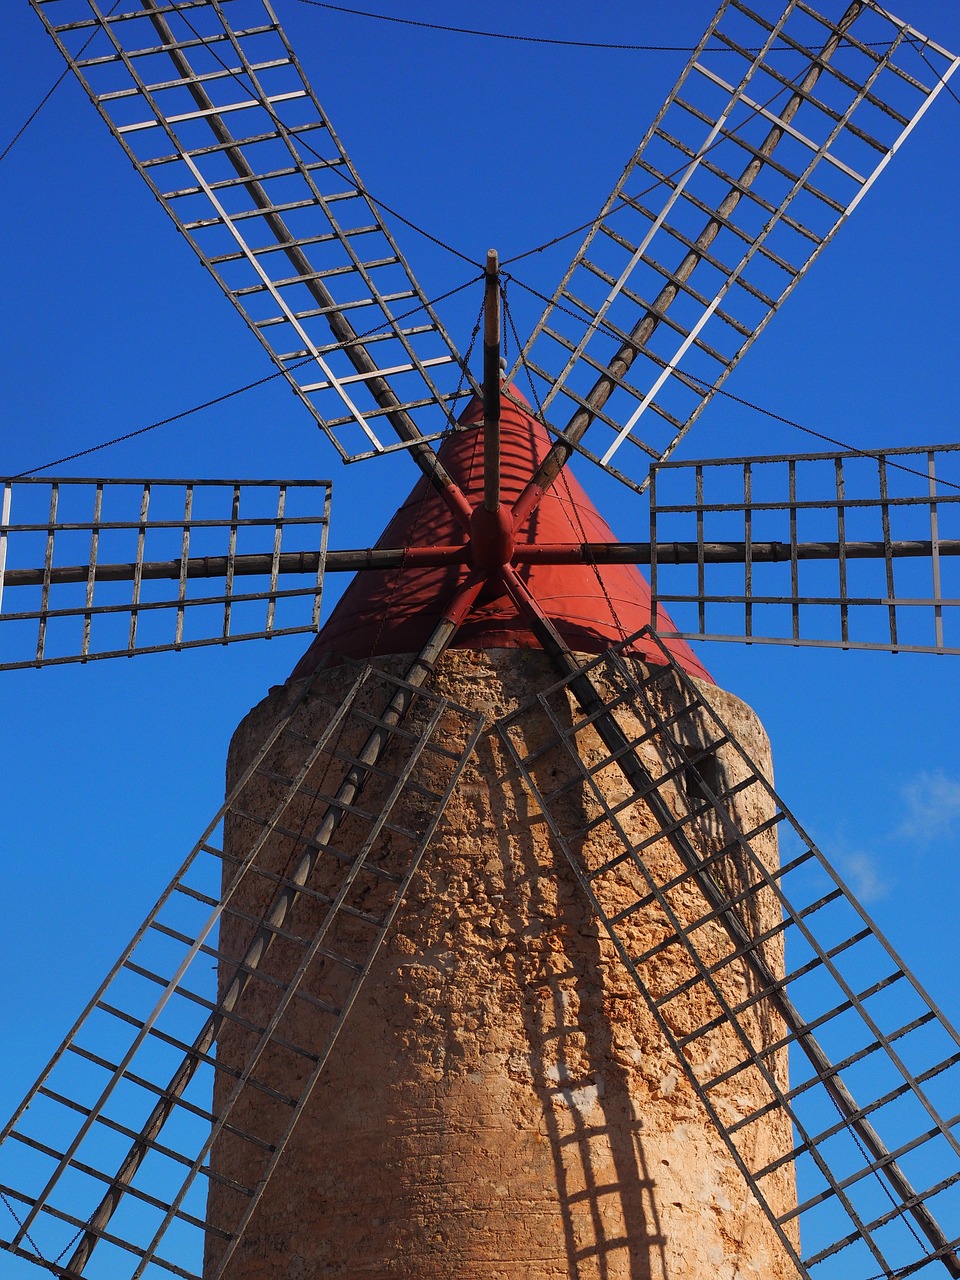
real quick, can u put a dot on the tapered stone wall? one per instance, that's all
(501, 1105)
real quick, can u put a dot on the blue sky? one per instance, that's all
(110, 771)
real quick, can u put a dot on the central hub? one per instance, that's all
(491, 538)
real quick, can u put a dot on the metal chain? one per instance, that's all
(51, 1266)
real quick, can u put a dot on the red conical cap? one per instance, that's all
(592, 607)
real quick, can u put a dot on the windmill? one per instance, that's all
(705, 781)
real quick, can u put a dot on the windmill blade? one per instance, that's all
(96, 568)
(829, 1074)
(853, 550)
(223, 126)
(770, 139)
(237, 983)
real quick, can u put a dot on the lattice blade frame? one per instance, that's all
(853, 550)
(105, 568)
(211, 105)
(747, 960)
(325, 862)
(757, 158)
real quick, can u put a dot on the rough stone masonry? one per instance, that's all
(500, 1104)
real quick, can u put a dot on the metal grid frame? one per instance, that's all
(212, 107)
(813, 532)
(69, 599)
(329, 860)
(843, 988)
(717, 217)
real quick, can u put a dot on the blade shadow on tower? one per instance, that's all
(828, 1072)
(149, 1139)
(808, 1067)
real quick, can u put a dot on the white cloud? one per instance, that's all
(860, 871)
(933, 808)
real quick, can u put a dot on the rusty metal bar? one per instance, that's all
(748, 549)
(842, 541)
(184, 556)
(491, 383)
(794, 572)
(274, 163)
(266, 563)
(47, 568)
(700, 576)
(717, 552)
(344, 332)
(935, 547)
(91, 571)
(644, 328)
(654, 611)
(5, 505)
(353, 560)
(888, 547)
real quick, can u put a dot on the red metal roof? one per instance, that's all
(592, 607)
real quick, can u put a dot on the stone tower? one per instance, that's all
(501, 1105)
